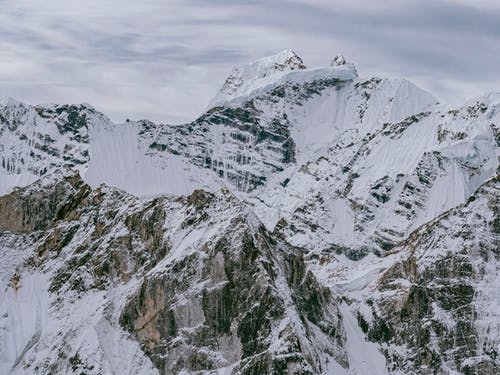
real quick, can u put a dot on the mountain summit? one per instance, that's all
(338, 61)
(247, 79)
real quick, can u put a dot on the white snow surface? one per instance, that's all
(364, 356)
(118, 158)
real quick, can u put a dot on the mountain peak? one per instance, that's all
(282, 61)
(266, 72)
(11, 102)
(338, 60)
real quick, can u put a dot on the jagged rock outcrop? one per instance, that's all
(204, 285)
(435, 309)
(338, 60)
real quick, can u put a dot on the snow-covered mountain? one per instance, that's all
(311, 221)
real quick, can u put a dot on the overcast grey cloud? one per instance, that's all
(163, 60)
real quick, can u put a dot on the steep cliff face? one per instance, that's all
(446, 312)
(241, 146)
(35, 140)
(197, 282)
(310, 222)
(435, 310)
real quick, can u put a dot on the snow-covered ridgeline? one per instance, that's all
(364, 158)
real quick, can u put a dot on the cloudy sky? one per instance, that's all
(164, 59)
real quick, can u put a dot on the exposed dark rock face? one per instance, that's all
(35, 210)
(431, 302)
(229, 141)
(38, 150)
(220, 307)
(243, 145)
(237, 297)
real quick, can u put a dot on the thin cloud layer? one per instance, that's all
(163, 60)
